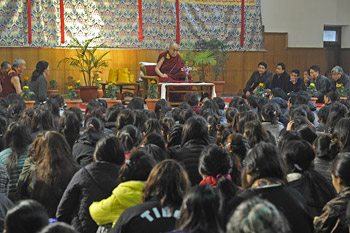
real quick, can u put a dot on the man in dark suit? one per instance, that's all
(259, 76)
(281, 78)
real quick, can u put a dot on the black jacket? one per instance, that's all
(84, 147)
(188, 155)
(323, 85)
(281, 81)
(92, 183)
(255, 79)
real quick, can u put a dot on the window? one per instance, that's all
(331, 36)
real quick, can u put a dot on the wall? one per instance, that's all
(304, 20)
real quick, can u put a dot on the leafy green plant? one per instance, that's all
(112, 91)
(342, 92)
(53, 84)
(27, 93)
(260, 90)
(98, 83)
(86, 60)
(72, 94)
(152, 90)
(311, 90)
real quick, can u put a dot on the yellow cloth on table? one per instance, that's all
(113, 76)
(120, 75)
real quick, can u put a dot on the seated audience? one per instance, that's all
(331, 97)
(69, 126)
(333, 216)
(163, 193)
(92, 183)
(262, 75)
(270, 114)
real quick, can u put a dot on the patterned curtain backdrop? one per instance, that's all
(117, 21)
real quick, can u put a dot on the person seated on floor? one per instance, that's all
(331, 97)
(262, 75)
(323, 85)
(169, 66)
(295, 83)
(306, 78)
(280, 79)
(339, 77)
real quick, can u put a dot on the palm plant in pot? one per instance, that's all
(72, 100)
(89, 63)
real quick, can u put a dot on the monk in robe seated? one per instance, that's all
(169, 68)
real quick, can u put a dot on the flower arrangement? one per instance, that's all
(27, 93)
(311, 89)
(260, 90)
(26, 81)
(53, 84)
(187, 70)
(77, 84)
(341, 90)
(112, 91)
(72, 94)
(153, 90)
(98, 83)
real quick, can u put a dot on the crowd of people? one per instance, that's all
(274, 163)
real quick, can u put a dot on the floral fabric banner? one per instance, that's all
(117, 21)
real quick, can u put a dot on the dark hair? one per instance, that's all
(58, 227)
(17, 137)
(298, 155)
(257, 215)
(58, 98)
(242, 118)
(186, 114)
(239, 103)
(3, 102)
(92, 104)
(175, 135)
(262, 64)
(296, 71)
(278, 92)
(253, 101)
(195, 128)
(316, 68)
(137, 167)
(78, 112)
(168, 183)
(326, 149)
(239, 145)
(323, 113)
(264, 161)
(26, 216)
(342, 132)
(53, 106)
(151, 126)
(156, 152)
(129, 136)
(160, 104)
(308, 71)
(94, 124)
(191, 98)
(5, 64)
(230, 114)
(125, 117)
(183, 106)
(16, 106)
(95, 112)
(341, 167)
(282, 65)
(271, 113)
(166, 123)
(69, 126)
(110, 149)
(156, 139)
(209, 105)
(336, 112)
(136, 103)
(42, 120)
(287, 136)
(220, 102)
(3, 127)
(214, 160)
(199, 211)
(255, 132)
(297, 99)
(332, 95)
(39, 69)
(112, 112)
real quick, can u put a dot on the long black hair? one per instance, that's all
(39, 69)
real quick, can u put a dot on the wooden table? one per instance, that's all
(196, 87)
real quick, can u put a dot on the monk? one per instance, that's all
(12, 82)
(169, 66)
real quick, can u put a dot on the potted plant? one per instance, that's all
(26, 81)
(219, 49)
(260, 90)
(53, 87)
(112, 93)
(89, 63)
(342, 92)
(311, 91)
(152, 95)
(72, 98)
(77, 85)
(27, 96)
(99, 86)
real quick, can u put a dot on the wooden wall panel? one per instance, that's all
(345, 60)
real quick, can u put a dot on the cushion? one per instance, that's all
(112, 76)
(150, 70)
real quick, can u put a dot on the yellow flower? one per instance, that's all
(261, 84)
(312, 84)
(167, 56)
(99, 79)
(339, 85)
(70, 87)
(78, 81)
(26, 78)
(153, 82)
(110, 84)
(25, 87)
